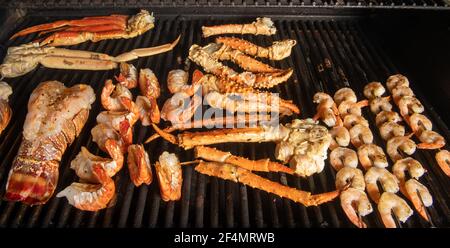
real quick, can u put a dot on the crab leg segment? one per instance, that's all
(236, 174)
(215, 155)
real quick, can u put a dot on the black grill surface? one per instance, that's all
(331, 53)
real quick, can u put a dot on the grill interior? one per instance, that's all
(331, 53)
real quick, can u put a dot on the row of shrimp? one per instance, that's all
(114, 135)
(342, 113)
(397, 145)
(412, 110)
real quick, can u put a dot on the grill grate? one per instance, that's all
(227, 3)
(331, 53)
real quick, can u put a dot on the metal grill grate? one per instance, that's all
(206, 201)
(226, 3)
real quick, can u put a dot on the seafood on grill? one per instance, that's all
(56, 116)
(223, 52)
(24, 58)
(443, 160)
(107, 138)
(410, 165)
(5, 109)
(95, 28)
(350, 177)
(168, 171)
(111, 94)
(339, 137)
(327, 110)
(373, 90)
(387, 180)
(84, 162)
(240, 175)
(91, 197)
(262, 26)
(139, 165)
(396, 80)
(397, 144)
(277, 51)
(401, 91)
(352, 120)
(342, 157)
(372, 155)
(355, 204)
(419, 195)
(150, 89)
(177, 81)
(210, 64)
(409, 105)
(350, 107)
(380, 104)
(121, 121)
(302, 143)
(391, 129)
(391, 203)
(128, 75)
(360, 134)
(430, 140)
(387, 116)
(419, 123)
(215, 155)
(344, 94)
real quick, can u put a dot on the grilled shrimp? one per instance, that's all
(352, 120)
(414, 168)
(180, 108)
(350, 177)
(443, 160)
(396, 80)
(373, 90)
(91, 197)
(101, 133)
(391, 129)
(323, 99)
(430, 140)
(139, 165)
(344, 94)
(380, 104)
(360, 134)
(403, 143)
(148, 84)
(148, 110)
(419, 122)
(84, 162)
(385, 116)
(339, 137)
(409, 105)
(372, 155)
(350, 107)
(128, 75)
(401, 91)
(169, 173)
(177, 80)
(390, 202)
(343, 157)
(388, 182)
(110, 96)
(419, 195)
(355, 203)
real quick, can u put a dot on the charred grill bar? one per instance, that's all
(332, 52)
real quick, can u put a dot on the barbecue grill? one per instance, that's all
(343, 43)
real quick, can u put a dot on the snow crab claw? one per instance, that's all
(91, 197)
(262, 26)
(237, 174)
(96, 28)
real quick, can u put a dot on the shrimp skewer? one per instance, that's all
(380, 104)
(443, 160)
(350, 177)
(355, 204)
(360, 134)
(391, 202)
(388, 181)
(372, 155)
(404, 143)
(339, 137)
(419, 195)
(373, 90)
(344, 94)
(343, 157)
(430, 140)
